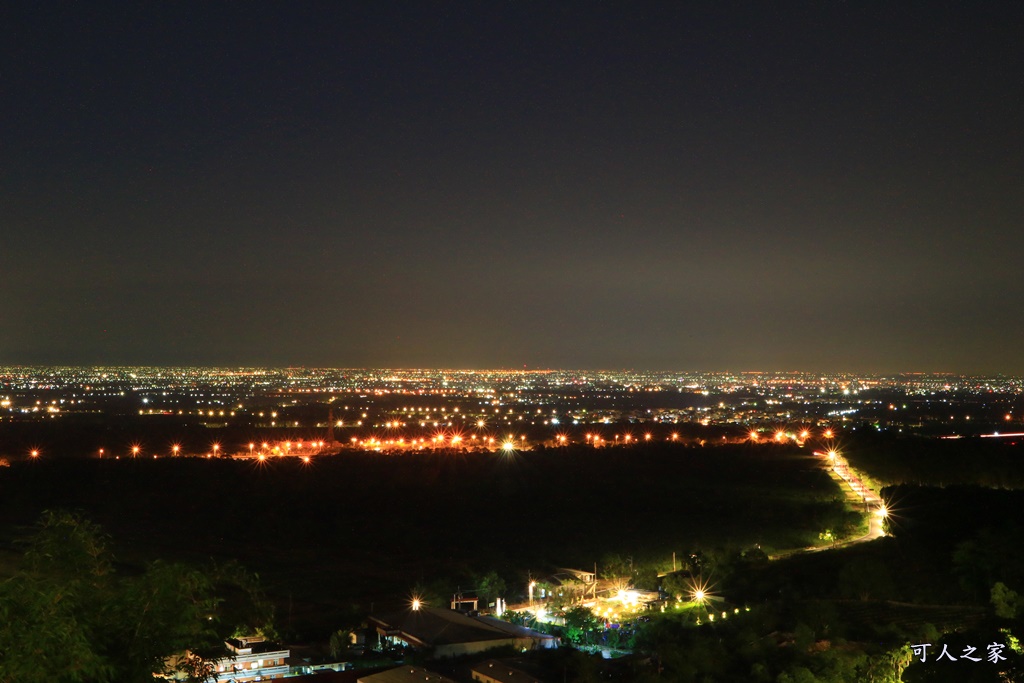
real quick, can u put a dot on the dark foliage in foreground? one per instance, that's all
(66, 615)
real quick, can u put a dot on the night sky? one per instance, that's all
(694, 186)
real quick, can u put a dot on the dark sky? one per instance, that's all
(760, 186)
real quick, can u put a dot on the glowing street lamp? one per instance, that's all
(175, 448)
(34, 453)
(135, 451)
(699, 592)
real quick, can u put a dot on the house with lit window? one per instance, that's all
(252, 659)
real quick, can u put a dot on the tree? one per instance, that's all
(866, 578)
(615, 566)
(645, 578)
(167, 610)
(803, 637)
(579, 622)
(196, 669)
(1007, 602)
(66, 617)
(340, 641)
(46, 609)
(490, 587)
(677, 585)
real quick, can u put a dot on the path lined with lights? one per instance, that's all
(872, 499)
(878, 512)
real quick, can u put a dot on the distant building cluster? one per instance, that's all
(304, 412)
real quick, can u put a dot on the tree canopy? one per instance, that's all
(66, 616)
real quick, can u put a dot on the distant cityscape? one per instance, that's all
(315, 410)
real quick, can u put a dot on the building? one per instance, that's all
(252, 659)
(449, 633)
(405, 674)
(494, 671)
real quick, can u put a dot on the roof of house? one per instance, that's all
(254, 645)
(499, 671)
(329, 676)
(405, 674)
(433, 626)
(513, 630)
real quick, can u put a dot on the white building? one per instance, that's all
(254, 659)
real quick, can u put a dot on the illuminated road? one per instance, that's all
(870, 498)
(858, 493)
